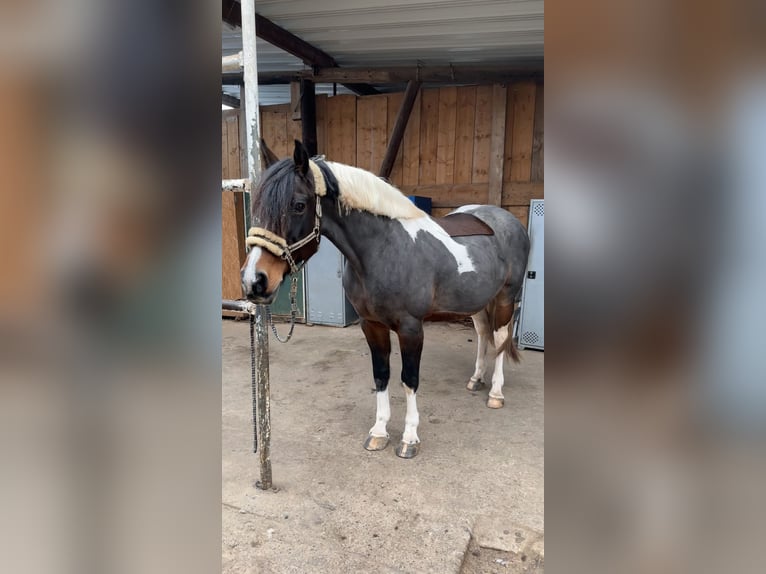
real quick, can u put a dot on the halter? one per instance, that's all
(278, 245)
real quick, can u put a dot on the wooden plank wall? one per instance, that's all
(468, 144)
(232, 208)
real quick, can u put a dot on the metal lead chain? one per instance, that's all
(252, 382)
(293, 313)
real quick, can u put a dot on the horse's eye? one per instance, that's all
(299, 207)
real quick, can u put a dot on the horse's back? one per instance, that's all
(510, 237)
(509, 231)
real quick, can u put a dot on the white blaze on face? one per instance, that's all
(429, 226)
(252, 260)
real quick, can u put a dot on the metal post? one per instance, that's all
(250, 65)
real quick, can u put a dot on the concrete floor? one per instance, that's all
(471, 501)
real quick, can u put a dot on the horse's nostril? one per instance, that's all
(260, 283)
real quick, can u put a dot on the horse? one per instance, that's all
(402, 269)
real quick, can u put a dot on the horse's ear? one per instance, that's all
(268, 157)
(301, 158)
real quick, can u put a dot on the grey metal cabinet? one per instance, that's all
(325, 297)
(531, 331)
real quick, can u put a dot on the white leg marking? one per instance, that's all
(497, 377)
(383, 416)
(411, 419)
(250, 265)
(481, 324)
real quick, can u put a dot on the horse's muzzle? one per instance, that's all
(256, 289)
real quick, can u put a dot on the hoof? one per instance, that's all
(474, 384)
(495, 403)
(405, 450)
(376, 442)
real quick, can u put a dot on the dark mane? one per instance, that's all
(271, 200)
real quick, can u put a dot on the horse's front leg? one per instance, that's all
(379, 339)
(411, 345)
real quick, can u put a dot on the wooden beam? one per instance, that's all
(232, 13)
(309, 116)
(515, 194)
(290, 43)
(359, 80)
(538, 153)
(497, 144)
(433, 74)
(229, 100)
(397, 133)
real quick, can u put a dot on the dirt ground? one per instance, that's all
(471, 502)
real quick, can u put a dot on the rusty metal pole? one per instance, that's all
(250, 103)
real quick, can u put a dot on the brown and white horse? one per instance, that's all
(403, 268)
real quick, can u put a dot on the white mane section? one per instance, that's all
(360, 189)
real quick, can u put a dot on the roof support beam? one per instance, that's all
(292, 44)
(289, 42)
(455, 74)
(398, 75)
(229, 100)
(402, 117)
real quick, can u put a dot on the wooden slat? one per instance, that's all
(364, 123)
(522, 212)
(411, 146)
(445, 148)
(281, 146)
(464, 133)
(483, 133)
(497, 144)
(440, 211)
(347, 132)
(521, 193)
(523, 127)
(394, 103)
(321, 123)
(232, 243)
(333, 129)
(224, 149)
(379, 131)
(294, 132)
(429, 124)
(274, 131)
(509, 117)
(451, 195)
(232, 133)
(538, 169)
(455, 195)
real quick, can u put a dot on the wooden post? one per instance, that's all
(497, 144)
(400, 125)
(262, 390)
(309, 116)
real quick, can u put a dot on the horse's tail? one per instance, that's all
(509, 347)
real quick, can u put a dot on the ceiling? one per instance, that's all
(367, 33)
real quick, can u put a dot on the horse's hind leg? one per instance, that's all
(379, 340)
(483, 333)
(501, 315)
(411, 345)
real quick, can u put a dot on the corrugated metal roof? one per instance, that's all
(403, 32)
(398, 33)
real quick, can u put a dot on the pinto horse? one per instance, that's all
(403, 267)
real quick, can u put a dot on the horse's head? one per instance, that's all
(286, 215)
